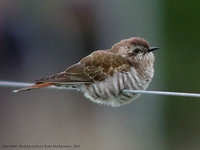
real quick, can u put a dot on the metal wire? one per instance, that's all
(24, 84)
(164, 93)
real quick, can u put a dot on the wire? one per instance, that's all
(14, 84)
(24, 84)
(164, 93)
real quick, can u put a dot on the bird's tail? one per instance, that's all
(36, 86)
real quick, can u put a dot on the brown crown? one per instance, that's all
(139, 41)
(133, 41)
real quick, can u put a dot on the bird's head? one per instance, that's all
(136, 50)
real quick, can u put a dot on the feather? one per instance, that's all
(93, 68)
(41, 85)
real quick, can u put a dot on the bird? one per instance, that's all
(104, 74)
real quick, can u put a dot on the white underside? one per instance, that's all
(109, 91)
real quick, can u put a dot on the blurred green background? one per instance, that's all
(39, 38)
(182, 59)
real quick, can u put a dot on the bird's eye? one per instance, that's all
(137, 50)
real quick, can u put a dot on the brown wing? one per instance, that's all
(93, 68)
(68, 77)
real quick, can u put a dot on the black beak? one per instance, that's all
(152, 49)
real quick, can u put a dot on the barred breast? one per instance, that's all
(109, 91)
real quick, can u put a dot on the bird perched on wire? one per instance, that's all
(103, 74)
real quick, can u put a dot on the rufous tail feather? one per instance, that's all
(37, 86)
